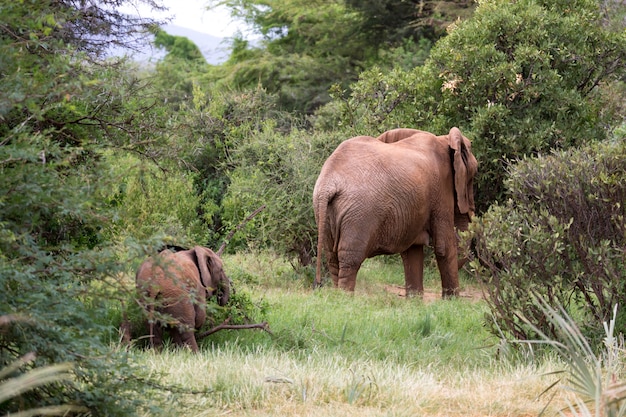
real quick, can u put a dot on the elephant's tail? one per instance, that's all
(321, 209)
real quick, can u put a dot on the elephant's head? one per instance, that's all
(464, 164)
(212, 274)
(465, 168)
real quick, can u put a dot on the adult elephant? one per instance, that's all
(177, 285)
(395, 194)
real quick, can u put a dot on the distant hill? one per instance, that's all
(214, 49)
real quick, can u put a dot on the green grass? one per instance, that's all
(371, 353)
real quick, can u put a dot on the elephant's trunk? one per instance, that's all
(224, 289)
(461, 223)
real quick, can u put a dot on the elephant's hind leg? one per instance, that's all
(184, 337)
(183, 332)
(349, 265)
(413, 261)
(333, 267)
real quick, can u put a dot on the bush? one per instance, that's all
(278, 170)
(215, 124)
(150, 201)
(561, 236)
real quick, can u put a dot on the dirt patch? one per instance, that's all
(472, 294)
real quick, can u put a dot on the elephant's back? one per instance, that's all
(168, 272)
(363, 162)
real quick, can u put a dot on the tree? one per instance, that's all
(307, 46)
(180, 70)
(310, 45)
(526, 75)
(61, 105)
(391, 22)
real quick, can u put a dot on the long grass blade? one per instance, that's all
(15, 386)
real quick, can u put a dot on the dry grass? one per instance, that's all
(262, 383)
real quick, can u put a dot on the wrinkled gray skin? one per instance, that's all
(178, 284)
(395, 194)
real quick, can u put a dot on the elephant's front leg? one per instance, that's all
(413, 260)
(448, 268)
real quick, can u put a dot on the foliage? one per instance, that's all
(215, 124)
(278, 170)
(560, 236)
(179, 72)
(149, 201)
(391, 22)
(12, 387)
(177, 47)
(308, 46)
(525, 73)
(383, 100)
(518, 78)
(241, 309)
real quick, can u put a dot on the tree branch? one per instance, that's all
(239, 226)
(224, 326)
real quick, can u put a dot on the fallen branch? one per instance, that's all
(236, 229)
(225, 326)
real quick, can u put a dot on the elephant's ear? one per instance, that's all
(212, 274)
(465, 167)
(395, 135)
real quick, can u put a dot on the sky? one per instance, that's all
(192, 14)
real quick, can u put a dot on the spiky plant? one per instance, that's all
(13, 384)
(593, 379)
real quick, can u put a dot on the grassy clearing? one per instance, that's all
(371, 353)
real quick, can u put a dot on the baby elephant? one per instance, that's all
(177, 285)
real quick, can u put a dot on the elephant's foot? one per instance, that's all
(347, 279)
(414, 291)
(450, 292)
(347, 284)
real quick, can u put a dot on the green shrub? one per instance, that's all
(561, 236)
(279, 171)
(215, 125)
(150, 201)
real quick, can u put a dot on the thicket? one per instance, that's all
(62, 108)
(306, 47)
(560, 237)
